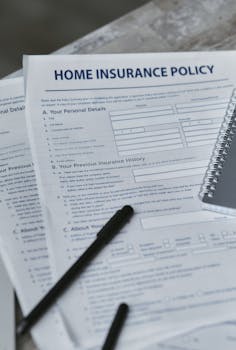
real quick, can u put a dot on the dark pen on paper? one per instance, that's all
(104, 236)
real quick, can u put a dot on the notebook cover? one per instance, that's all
(219, 187)
(225, 189)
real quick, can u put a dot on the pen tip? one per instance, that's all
(128, 210)
(124, 307)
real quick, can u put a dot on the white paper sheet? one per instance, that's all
(100, 142)
(22, 236)
(7, 311)
(217, 337)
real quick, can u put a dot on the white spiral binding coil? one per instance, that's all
(222, 146)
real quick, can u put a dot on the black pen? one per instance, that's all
(116, 327)
(104, 236)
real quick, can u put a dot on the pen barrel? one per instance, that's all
(105, 235)
(116, 327)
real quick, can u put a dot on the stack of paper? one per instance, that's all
(106, 131)
(22, 240)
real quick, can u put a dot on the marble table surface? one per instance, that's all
(160, 25)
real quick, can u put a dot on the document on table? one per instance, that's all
(110, 130)
(218, 337)
(7, 312)
(22, 238)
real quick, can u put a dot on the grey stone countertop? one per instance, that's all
(169, 25)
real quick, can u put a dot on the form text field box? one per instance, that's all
(181, 219)
(125, 135)
(145, 139)
(139, 123)
(141, 110)
(148, 144)
(150, 149)
(140, 115)
(202, 106)
(171, 171)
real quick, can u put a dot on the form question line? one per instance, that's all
(137, 87)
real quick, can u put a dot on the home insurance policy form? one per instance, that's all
(22, 237)
(110, 130)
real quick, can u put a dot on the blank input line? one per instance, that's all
(200, 111)
(138, 143)
(154, 147)
(196, 133)
(169, 171)
(203, 139)
(199, 106)
(141, 137)
(194, 128)
(150, 116)
(134, 113)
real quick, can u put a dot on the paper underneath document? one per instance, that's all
(111, 130)
(7, 312)
(22, 236)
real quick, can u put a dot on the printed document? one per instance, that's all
(110, 130)
(22, 238)
(7, 312)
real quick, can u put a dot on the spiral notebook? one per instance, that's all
(219, 186)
